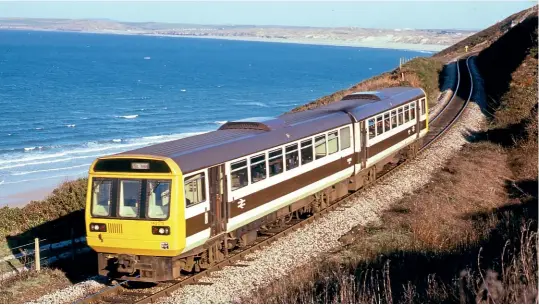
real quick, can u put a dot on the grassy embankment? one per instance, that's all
(471, 234)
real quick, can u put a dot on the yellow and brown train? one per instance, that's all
(181, 205)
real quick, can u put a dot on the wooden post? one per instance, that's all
(400, 63)
(37, 260)
(402, 74)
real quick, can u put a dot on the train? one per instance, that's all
(157, 212)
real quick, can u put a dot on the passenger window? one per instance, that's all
(101, 197)
(412, 111)
(130, 191)
(394, 119)
(258, 168)
(292, 156)
(345, 138)
(406, 113)
(401, 117)
(306, 151)
(387, 124)
(158, 199)
(333, 142)
(379, 125)
(372, 129)
(195, 189)
(275, 162)
(423, 106)
(320, 146)
(238, 174)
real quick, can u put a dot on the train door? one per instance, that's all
(363, 151)
(218, 210)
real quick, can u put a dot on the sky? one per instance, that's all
(368, 14)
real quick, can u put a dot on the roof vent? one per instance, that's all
(361, 96)
(245, 125)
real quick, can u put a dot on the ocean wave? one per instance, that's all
(48, 161)
(71, 125)
(130, 116)
(46, 178)
(39, 128)
(49, 170)
(33, 148)
(116, 140)
(220, 122)
(259, 104)
(90, 149)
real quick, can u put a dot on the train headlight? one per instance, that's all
(161, 230)
(98, 227)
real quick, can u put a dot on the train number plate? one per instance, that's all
(164, 245)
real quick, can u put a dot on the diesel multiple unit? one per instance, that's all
(180, 206)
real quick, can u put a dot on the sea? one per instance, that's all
(68, 98)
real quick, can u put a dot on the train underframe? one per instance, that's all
(158, 269)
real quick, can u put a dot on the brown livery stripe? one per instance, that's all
(196, 224)
(288, 186)
(387, 143)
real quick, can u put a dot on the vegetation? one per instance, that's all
(418, 72)
(53, 218)
(471, 234)
(484, 38)
(28, 286)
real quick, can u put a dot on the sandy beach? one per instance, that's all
(375, 43)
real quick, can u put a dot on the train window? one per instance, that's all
(238, 174)
(258, 168)
(406, 113)
(130, 191)
(400, 116)
(412, 111)
(423, 106)
(333, 142)
(394, 119)
(345, 138)
(195, 189)
(292, 156)
(320, 147)
(275, 162)
(387, 124)
(101, 197)
(379, 125)
(158, 199)
(306, 151)
(372, 129)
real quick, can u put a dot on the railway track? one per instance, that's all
(141, 293)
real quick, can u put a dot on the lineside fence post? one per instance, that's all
(37, 260)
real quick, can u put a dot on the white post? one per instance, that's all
(37, 260)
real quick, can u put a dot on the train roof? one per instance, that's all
(240, 138)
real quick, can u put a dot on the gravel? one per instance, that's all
(73, 293)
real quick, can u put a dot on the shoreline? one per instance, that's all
(426, 48)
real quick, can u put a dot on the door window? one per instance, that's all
(195, 189)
